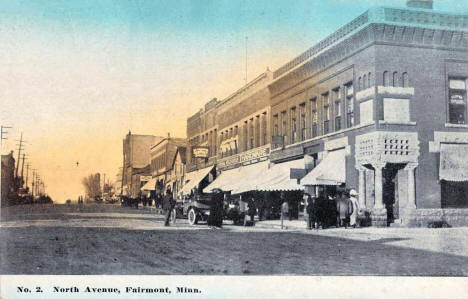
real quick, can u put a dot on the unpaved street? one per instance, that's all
(101, 239)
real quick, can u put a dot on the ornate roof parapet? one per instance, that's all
(412, 17)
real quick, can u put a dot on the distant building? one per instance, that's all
(8, 178)
(136, 154)
(165, 155)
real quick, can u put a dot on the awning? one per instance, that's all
(150, 185)
(331, 171)
(453, 162)
(278, 177)
(192, 179)
(238, 180)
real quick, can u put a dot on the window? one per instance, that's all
(293, 125)
(386, 79)
(264, 128)
(364, 82)
(337, 115)
(303, 124)
(395, 80)
(246, 137)
(275, 125)
(405, 80)
(257, 131)
(349, 92)
(369, 80)
(360, 84)
(457, 100)
(314, 117)
(283, 124)
(326, 113)
(251, 133)
(235, 130)
(215, 142)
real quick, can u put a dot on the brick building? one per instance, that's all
(8, 178)
(381, 106)
(167, 164)
(136, 157)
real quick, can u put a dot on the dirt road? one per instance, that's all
(115, 240)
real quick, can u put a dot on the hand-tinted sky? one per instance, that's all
(75, 76)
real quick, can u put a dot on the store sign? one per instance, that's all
(297, 173)
(249, 157)
(200, 151)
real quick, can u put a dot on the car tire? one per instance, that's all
(192, 217)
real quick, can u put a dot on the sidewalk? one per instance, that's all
(276, 224)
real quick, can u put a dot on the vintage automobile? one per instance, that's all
(196, 208)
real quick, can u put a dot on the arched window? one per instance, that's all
(360, 84)
(386, 79)
(405, 80)
(364, 82)
(369, 80)
(395, 82)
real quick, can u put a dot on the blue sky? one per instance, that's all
(76, 75)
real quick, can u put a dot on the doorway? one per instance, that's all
(391, 190)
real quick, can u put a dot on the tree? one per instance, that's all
(92, 184)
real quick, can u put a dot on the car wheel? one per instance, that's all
(192, 217)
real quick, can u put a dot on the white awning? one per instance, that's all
(238, 180)
(278, 177)
(192, 179)
(453, 162)
(150, 185)
(331, 171)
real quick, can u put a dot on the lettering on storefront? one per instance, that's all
(145, 178)
(200, 151)
(242, 159)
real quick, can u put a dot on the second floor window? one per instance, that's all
(303, 122)
(293, 125)
(337, 115)
(457, 100)
(349, 105)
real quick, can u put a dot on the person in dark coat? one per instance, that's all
(215, 219)
(252, 209)
(311, 209)
(168, 206)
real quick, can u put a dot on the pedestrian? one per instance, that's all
(168, 206)
(310, 209)
(354, 216)
(345, 209)
(284, 208)
(215, 219)
(252, 210)
(243, 210)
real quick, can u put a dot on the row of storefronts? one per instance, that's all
(379, 106)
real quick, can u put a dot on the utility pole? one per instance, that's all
(20, 148)
(3, 133)
(104, 184)
(22, 169)
(33, 182)
(27, 175)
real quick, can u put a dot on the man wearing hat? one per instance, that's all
(354, 216)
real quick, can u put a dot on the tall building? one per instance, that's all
(136, 157)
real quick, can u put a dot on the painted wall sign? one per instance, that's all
(200, 151)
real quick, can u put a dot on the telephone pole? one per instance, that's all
(20, 148)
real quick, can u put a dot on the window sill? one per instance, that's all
(448, 125)
(403, 123)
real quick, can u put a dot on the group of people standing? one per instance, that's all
(342, 206)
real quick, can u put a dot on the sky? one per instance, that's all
(77, 75)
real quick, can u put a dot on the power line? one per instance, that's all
(3, 133)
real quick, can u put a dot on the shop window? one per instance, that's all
(386, 78)
(395, 81)
(396, 110)
(366, 111)
(454, 194)
(457, 101)
(349, 97)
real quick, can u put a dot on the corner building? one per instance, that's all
(381, 106)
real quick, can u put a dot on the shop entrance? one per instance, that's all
(393, 189)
